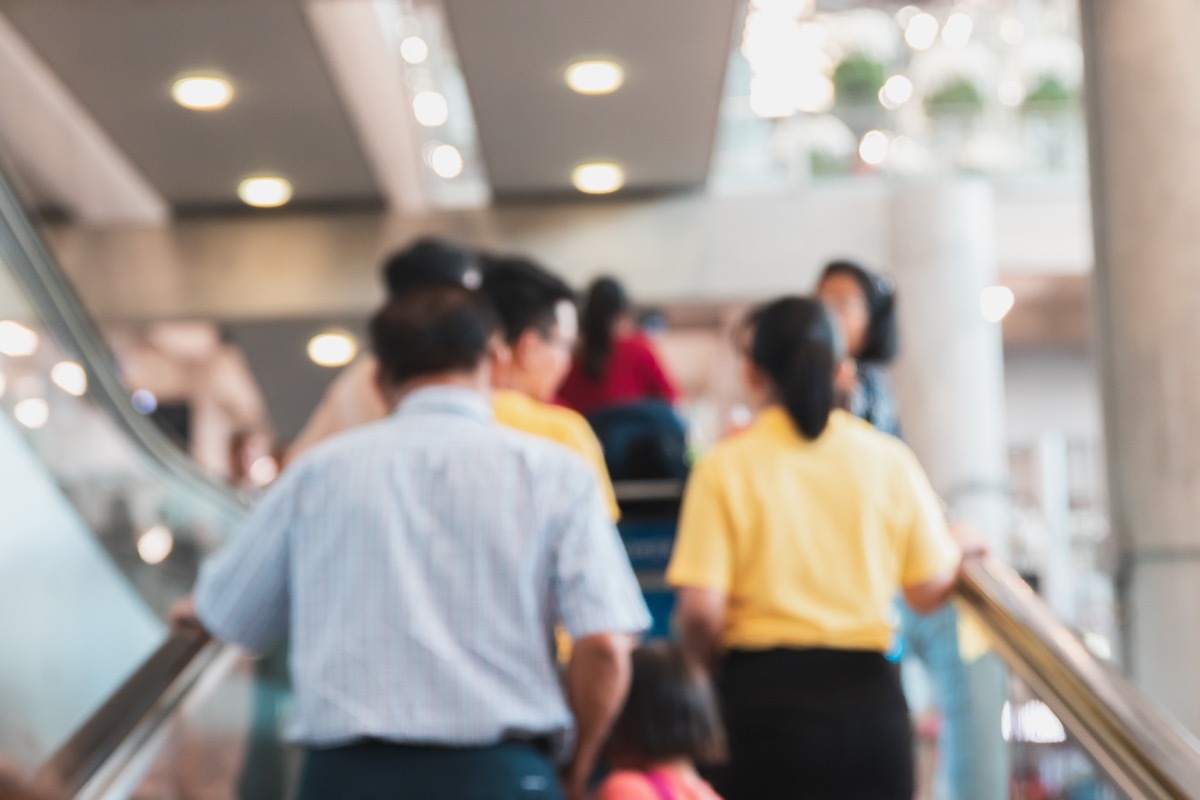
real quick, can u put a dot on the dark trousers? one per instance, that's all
(814, 725)
(374, 770)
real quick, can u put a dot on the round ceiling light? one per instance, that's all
(957, 31)
(265, 191)
(70, 377)
(995, 302)
(332, 349)
(33, 413)
(598, 178)
(414, 50)
(431, 109)
(202, 92)
(921, 31)
(446, 161)
(156, 544)
(16, 340)
(595, 77)
(874, 148)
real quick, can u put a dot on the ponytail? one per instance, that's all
(798, 346)
(605, 303)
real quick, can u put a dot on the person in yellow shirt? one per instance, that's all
(794, 538)
(540, 327)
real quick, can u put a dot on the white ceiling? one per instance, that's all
(301, 109)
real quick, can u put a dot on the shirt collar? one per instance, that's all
(774, 421)
(446, 400)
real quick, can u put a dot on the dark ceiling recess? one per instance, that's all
(120, 59)
(659, 126)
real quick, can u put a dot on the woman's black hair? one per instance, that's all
(606, 301)
(670, 712)
(799, 346)
(883, 337)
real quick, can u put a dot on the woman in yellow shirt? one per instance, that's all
(794, 538)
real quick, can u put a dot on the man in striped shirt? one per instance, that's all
(419, 566)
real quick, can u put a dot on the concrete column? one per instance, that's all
(950, 382)
(1143, 71)
(950, 377)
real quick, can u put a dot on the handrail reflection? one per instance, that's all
(1144, 753)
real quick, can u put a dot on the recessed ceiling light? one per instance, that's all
(446, 161)
(595, 77)
(995, 302)
(921, 31)
(33, 413)
(598, 178)
(70, 377)
(332, 349)
(265, 191)
(431, 109)
(874, 148)
(202, 92)
(156, 544)
(414, 50)
(16, 340)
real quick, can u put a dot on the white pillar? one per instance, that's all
(950, 383)
(950, 377)
(1143, 70)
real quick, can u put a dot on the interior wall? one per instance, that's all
(680, 248)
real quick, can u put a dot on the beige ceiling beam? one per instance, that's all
(367, 71)
(61, 147)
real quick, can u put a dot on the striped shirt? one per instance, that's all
(420, 565)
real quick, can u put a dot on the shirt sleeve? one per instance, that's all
(703, 554)
(657, 382)
(242, 593)
(595, 590)
(931, 550)
(584, 442)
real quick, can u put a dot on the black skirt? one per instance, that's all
(814, 725)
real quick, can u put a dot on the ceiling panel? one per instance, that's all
(121, 56)
(533, 130)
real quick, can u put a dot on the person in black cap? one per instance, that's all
(352, 398)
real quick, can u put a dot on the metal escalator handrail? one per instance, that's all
(160, 683)
(1144, 753)
(60, 310)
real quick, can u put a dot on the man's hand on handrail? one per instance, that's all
(182, 616)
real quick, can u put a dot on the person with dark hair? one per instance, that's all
(795, 537)
(353, 399)
(540, 326)
(615, 364)
(865, 305)
(669, 724)
(419, 565)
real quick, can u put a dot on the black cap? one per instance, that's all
(432, 262)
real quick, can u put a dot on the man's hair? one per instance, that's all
(431, 330)
(524, 294)
(431, 262)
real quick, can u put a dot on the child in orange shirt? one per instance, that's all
(669, 723)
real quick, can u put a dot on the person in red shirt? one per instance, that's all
(615, 364)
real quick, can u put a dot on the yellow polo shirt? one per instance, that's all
(521, 412)
(810, 540)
